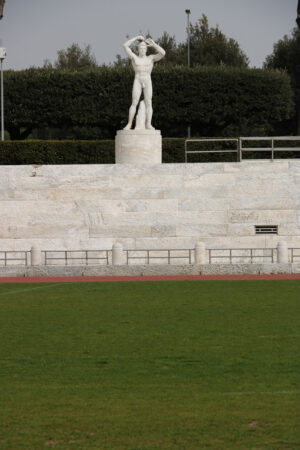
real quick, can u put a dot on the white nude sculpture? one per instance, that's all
(142, 65)
(140, 121)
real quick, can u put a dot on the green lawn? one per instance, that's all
(150, 365)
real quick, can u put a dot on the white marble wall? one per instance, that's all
(160, 206)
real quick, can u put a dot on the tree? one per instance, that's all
(298, 14)
(73, 58)
(174, 51)
(1, 8)
(208, 47)
(286, 56)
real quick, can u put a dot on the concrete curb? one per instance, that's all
(149, 270)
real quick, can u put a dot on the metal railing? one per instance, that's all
(272, 148)
(151, 256)
(160, 256)
(9, 258)
(242, 255)
(236, 150)
(294, 255)
(82, 257)
(240, 149)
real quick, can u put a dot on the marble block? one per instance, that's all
(138, 147)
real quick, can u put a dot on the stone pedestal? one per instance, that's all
(138, 147)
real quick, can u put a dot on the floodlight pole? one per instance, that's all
(2, 103)
(188, 12)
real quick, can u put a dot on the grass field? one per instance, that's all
(150, 365)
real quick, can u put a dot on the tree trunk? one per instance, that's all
(298, 122)
(298, 15)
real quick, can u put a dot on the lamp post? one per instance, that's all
(188, 12)
(2, 57)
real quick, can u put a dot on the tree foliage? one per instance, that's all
(73, 58)
(208, 47)
(286, 56)
(215, 101)
(175, 53)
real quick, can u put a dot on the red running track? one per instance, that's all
(148, 278)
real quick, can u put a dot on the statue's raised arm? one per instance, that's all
(142, 65)
(160, 51)
(127, 45)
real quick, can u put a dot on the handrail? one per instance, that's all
(272, 148)
(149, 255)
(240, 149)
(294, 255)
(237, 150)
(231, 256)
(85, 256)
(6, 259)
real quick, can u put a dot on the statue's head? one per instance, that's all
(142, 48)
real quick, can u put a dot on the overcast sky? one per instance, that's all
(33, 30)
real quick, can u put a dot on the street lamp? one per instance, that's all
(2, 57)
(188, 12)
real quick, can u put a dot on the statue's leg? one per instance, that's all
(148, 103)
(136, 93)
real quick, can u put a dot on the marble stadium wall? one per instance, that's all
(146, 207)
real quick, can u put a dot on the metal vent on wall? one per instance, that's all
(266, 229)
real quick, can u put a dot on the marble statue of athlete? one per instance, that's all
(142, 65)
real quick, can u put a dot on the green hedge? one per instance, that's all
(89, 152)
(57, 152)
(215, 101)
(103, 152)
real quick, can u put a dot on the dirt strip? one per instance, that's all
(147, 278)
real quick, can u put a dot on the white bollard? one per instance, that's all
(36, 256)
(200, 253)
(282, 252)
(117, 254)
